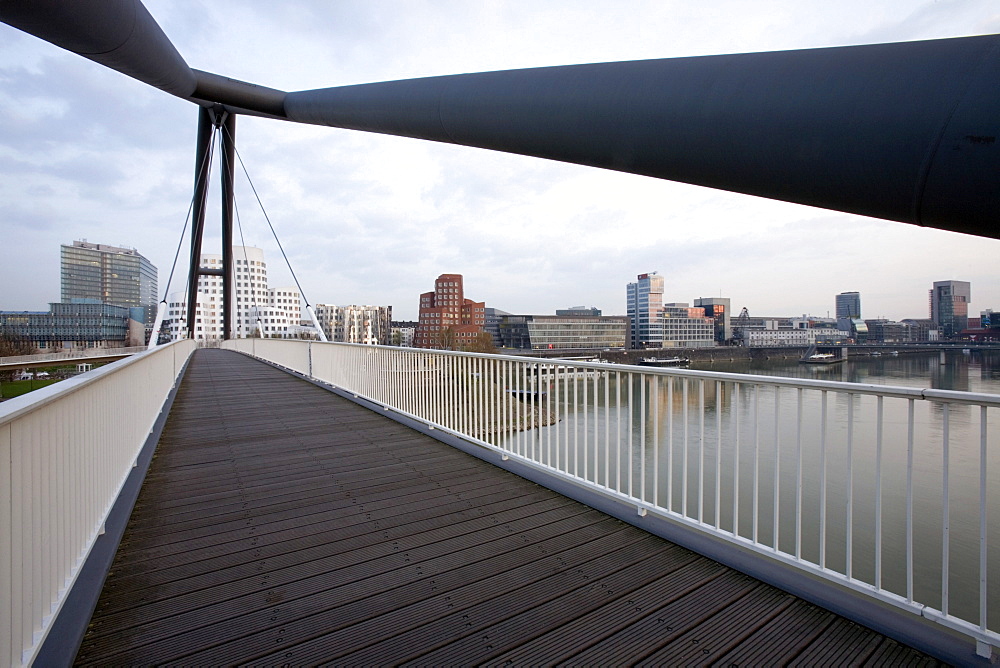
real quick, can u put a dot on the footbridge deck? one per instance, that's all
(282, 524)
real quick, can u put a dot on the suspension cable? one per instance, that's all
(205, 164)
(302, 292)
(268, 219)
(203, 170)
(246, 261)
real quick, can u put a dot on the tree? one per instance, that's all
(446, 339)
(12, 345)
(483, 343)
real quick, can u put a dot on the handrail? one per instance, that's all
(878, 489)
(65, 452)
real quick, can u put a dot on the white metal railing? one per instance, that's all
(65, 452)
(883, 490)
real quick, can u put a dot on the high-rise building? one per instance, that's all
(717, 308)
(949, 306)
(447, 318)
(370, 325)
(848, 309)
(278, 311)
(644, 305)
(109, 275)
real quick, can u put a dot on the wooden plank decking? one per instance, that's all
(281, 524)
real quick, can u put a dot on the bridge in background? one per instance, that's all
(67, 357)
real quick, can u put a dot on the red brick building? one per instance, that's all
(447, 319)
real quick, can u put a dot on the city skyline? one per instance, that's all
(89, 153)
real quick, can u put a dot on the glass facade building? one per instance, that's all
(644, 300)
(554, 332)
(848, 309)
(110, 275)
(717, 308)
(949, 306)
(83, 323)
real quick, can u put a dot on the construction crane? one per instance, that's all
(741, 330)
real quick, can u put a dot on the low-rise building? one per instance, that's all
(402, 333)
(81, 323)
(766, 338)
(683, 326)
(571, 332)
(579, 310)
(355, 324)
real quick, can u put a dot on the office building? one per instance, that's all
(848, 308)
(492, 324)
(447, 319)
(109, 275)
(402, 334)
(570, 332)
(949, 306)
(717, 308)
(370, 325)
(683, 326)
(260, 310)
(82, 323)
(579, 310)
(644, 301)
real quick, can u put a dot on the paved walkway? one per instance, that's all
(281, 524)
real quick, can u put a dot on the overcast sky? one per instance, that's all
(86, 152)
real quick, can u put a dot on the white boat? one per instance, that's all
(821, 358)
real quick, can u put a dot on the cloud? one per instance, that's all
(87, 152)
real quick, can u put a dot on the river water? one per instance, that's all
(710, 451)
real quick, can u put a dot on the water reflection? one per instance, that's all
(814, 464)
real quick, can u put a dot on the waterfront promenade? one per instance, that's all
(280, 523)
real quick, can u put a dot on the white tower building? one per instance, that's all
(276, 311)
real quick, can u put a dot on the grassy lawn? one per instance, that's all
(15, 388)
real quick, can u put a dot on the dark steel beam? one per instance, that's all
(119, 34)
(905, 132)
(203, 150)
(238, 95)
(228, 196)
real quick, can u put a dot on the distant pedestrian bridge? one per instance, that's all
(68, 357)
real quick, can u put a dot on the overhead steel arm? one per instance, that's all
(905, 131)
